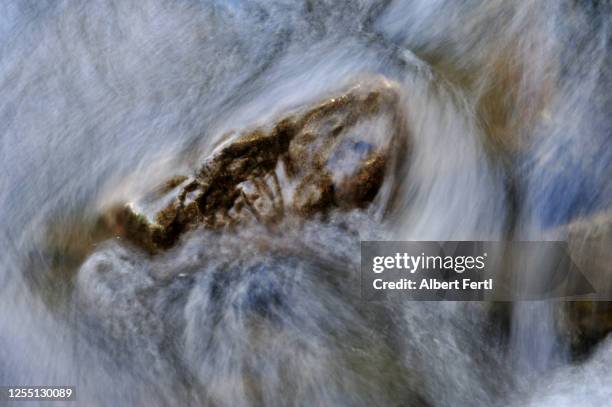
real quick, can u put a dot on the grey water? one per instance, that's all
(101, 100)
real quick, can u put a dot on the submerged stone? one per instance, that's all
(588, 321)
(333, 155)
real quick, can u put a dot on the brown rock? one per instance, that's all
(313, 160)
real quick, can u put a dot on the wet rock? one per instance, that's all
(589, 321)
(330, 156)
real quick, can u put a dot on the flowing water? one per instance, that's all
(507, 113)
